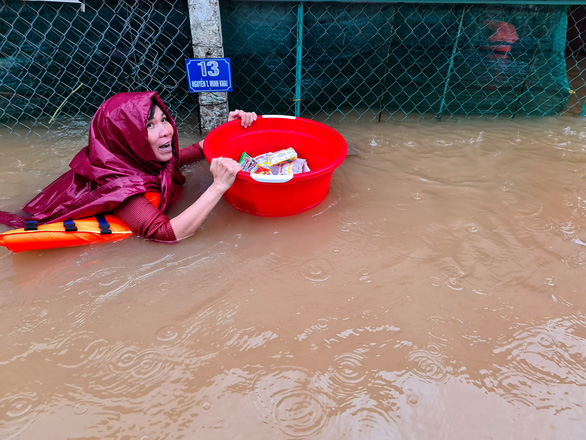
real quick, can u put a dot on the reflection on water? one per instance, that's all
(437, 292)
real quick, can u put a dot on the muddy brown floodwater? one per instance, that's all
(438, 292)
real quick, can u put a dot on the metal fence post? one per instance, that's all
(298, 59)
(206, 37)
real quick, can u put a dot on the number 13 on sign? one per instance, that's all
(209, 68)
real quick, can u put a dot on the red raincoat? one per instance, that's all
(118, 162)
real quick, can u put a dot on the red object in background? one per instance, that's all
(502, 40)
(503, 32)
(322, 146)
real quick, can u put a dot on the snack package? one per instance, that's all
(263, 159)
(299, 166)
(280, 163)
(268, 160)
(262, 170)
(286, 155)
(295, 167)
(248, 164)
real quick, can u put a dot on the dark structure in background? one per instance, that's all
(576, 31)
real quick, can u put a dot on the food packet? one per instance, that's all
(270, 159)
(263, 159)
(295, 167)
(286, 155)
(248, 164)
(262, 170)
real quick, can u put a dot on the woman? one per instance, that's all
(133, 149)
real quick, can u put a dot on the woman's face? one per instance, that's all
(160, 133)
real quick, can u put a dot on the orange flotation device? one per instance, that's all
(501, 41)
(95, 229)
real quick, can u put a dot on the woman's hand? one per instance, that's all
(247, 118)
(224, 171)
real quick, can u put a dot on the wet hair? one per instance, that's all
(152, 111)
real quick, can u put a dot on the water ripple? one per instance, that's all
(167, 333)
(550, 354)
(540, 357)
(348, 371)
(361, 228)
(317, 270)
(451, 276)
(320, 325)
(140, 364)
(362, 418)
(293, 402)
(131, 371)
(17, 413)
(94, 351)
(515, 388)
(430, 363)
(536, 224)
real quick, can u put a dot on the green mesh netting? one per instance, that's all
(439, 59)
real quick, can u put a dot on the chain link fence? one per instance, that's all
(381, 61)
(60, 61)
(373, 61)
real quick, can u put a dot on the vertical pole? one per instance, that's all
(298, 59)
(206, 36)
(389, 47)
(451, 65)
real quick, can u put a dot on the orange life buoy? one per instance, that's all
(87, 230)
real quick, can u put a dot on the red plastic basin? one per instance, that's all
(322, 146)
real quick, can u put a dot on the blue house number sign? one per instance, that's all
(209, 74)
